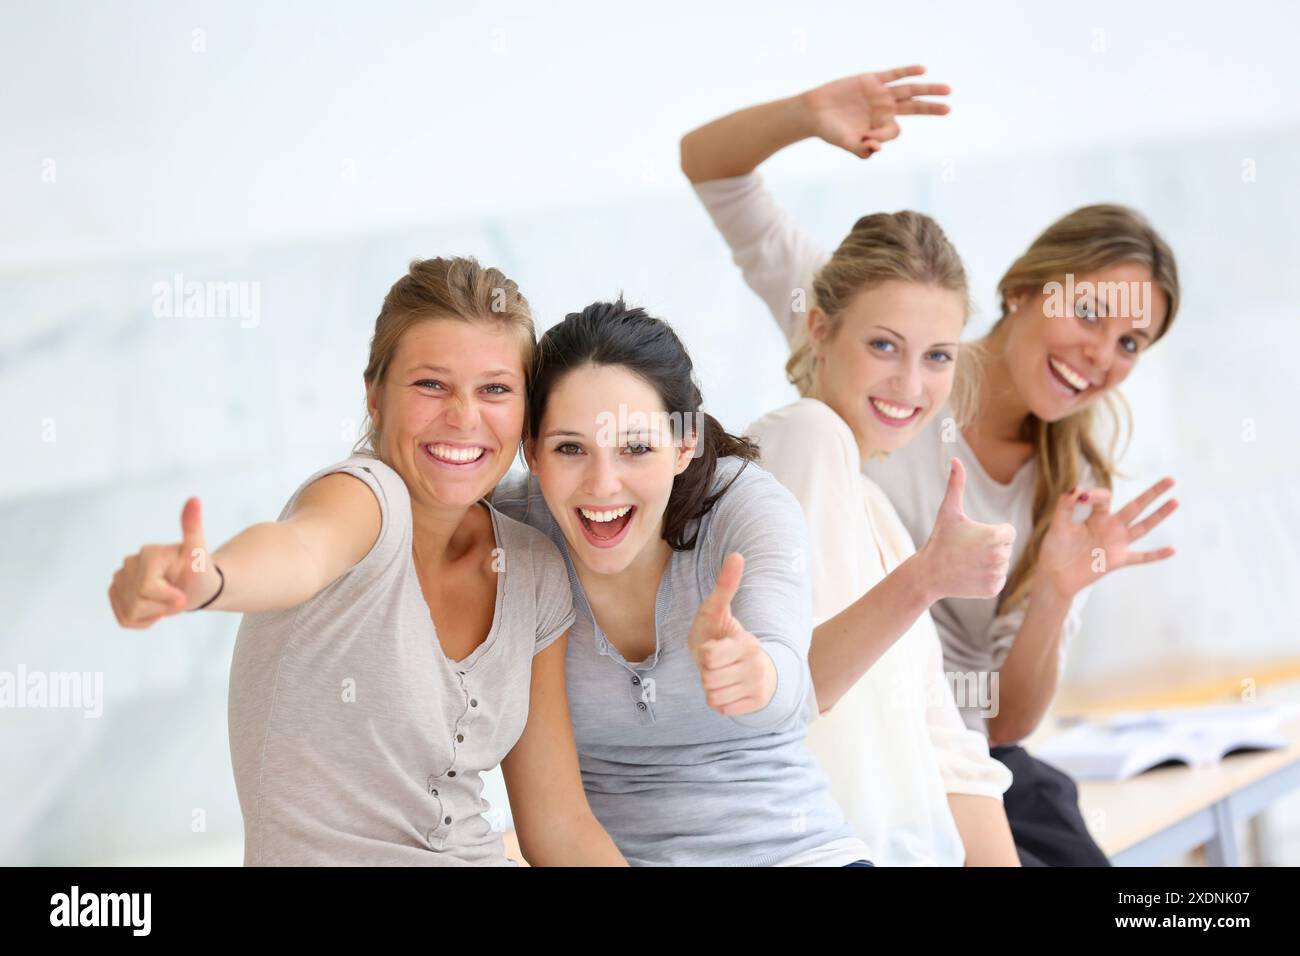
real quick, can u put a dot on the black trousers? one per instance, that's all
(1043, 810)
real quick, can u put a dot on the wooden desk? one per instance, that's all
(1159, 815)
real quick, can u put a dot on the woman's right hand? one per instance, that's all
(859, 113)
(164, 579)
(964, 558)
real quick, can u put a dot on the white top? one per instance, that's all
(894, 745)
(778, 259)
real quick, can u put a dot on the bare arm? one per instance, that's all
(739, 142)
(961, 558)
(1073, 556)
(1028, 677)
(985, 832)
(267, 566)
(845, 646)
(553, 821)
(856, 113)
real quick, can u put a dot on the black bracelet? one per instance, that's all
(215, 596)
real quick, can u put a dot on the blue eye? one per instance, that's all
(940, 357)
(883, 345)
(503, 389)
(1129, 344)
(1083, 310)
(428, 383)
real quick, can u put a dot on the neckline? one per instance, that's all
(602, 642)
(468, 661)
(983, 472)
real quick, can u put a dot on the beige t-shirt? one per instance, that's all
(354, 739)
(778, 261)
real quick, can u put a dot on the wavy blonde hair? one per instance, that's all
(1087, 240)
(451, 288)
(906, 246)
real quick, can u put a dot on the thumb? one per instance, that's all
(728, 583)
(192, 539)
(952, 497)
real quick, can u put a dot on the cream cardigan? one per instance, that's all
(894, 746)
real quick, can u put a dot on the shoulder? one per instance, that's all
(332, 488)
(516, 538)
(806, 417)
(518, 496)
(807, 428)
(752, 503)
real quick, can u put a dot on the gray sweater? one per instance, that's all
(671, 780)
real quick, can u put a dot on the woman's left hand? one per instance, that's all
(737, 674)
(1075, 555)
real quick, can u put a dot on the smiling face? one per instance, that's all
(450, 411)
(888, 366)
(606, 459)
(1068, 344)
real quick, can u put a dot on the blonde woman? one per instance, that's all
(918, 786)
(1028, 446)
(400, 634)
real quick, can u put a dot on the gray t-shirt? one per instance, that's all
(354, 739)
(672, 781)
(976, 638)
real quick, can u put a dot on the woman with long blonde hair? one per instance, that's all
(1078, 308)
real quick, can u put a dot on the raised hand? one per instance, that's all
(1074, 555)
(164, 579)
(964, 558)
(859, 113)
(736, 672)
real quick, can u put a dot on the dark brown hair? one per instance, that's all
(612, 333)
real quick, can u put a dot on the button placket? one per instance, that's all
(638, 687)
(435, 836)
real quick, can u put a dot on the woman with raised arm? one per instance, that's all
(1096, 289)
(400, 635)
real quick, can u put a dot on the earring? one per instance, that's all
(1013, 307)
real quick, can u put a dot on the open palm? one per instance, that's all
(859, 113)
(1076, 554)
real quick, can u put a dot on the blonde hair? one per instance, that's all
(906, 246)
(1084, 241)
(455, 288)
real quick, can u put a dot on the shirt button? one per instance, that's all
(640, 705)
(446, 819)
(451, 773)
(636, 680)
(460, 738)
(473, 703)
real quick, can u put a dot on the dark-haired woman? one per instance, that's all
(687, 668)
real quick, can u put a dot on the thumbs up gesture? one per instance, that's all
(964, 558)
(164, 579)
(737, 674)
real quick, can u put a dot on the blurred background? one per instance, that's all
(306, 152)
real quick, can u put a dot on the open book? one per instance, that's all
(1127, 744)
